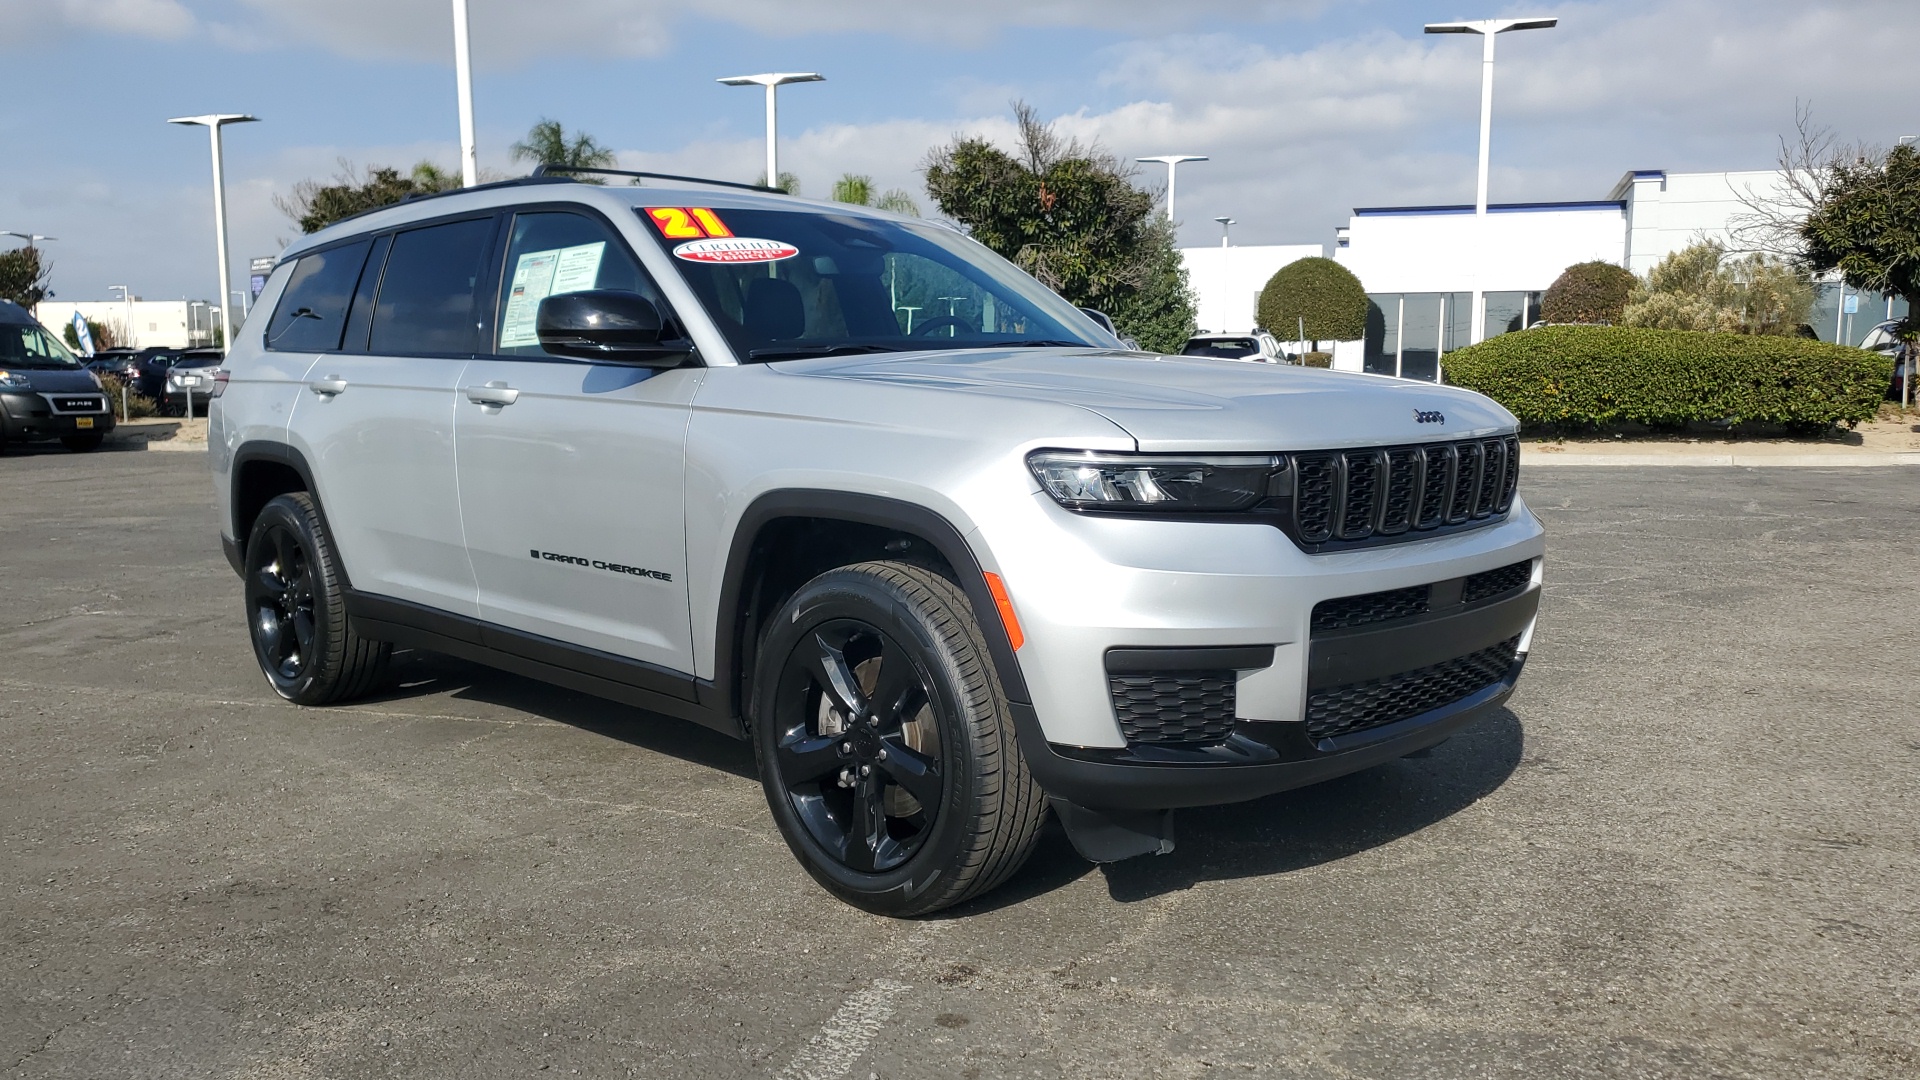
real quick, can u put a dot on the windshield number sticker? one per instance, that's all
(688, 222)
(735, 249)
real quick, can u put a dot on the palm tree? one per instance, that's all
(547, 144)
(858, 190)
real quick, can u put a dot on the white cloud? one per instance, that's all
(27, 20)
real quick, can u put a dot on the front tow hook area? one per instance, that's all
(1106, 836)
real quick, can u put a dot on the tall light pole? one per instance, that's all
(773, 81)
(1172, 162)
(1488, 29)
(213, 122)
(126, 299)
(1226, 225)
(463, 81)
(30, 238)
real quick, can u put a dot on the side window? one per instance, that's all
(313, 310)
(554, 252)
(426, 295)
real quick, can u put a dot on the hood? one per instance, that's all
(64, 381)
(1193, 404)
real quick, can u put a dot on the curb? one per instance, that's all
(1746, 461)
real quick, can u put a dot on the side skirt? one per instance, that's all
(616, 678)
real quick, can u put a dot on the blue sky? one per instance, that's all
(1307, 108)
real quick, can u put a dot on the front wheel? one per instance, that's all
(297, 613)
(885, 744)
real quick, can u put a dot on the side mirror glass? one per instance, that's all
(608, 324)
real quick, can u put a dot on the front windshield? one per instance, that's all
(32, 348)
(782, 284)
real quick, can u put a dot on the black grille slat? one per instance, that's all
(1403, 480)
(1511, 482)
(1466, 476)
(1359, 499)
(1437, 483)
(1185, 708)
(1493, 457)
(1490, 583)
(1313, 494)
(1350, 611)
(1343, 710)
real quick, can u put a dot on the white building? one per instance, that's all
(139, 324)
(1421, 264)
(1226, 283)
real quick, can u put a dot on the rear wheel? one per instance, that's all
(296, 610)
(82, 443)
(885, 744)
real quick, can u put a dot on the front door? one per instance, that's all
(571, 477)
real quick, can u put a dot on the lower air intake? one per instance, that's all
(1179, 708)
(1343, 710)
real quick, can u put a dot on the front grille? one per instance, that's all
(80, 404)
(1186, 708)
(1348, 611)
(1342, 710)
(1494, 582)
(1352, 497)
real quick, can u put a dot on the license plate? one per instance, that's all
(83, 422)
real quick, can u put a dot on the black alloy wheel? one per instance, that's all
(858, 745)
(885, 742)
(296, 609)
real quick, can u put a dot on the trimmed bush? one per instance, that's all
(1588, 292)
(1590, 375)
(1322, 292)
(1317, 359)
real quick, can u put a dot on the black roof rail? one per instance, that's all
(414, 197)
(548, 171)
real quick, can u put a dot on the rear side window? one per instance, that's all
(426, 302)
(313, 310)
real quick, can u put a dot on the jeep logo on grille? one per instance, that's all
(1429, 416)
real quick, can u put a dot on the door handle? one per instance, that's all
(328, 386)
(495, 393)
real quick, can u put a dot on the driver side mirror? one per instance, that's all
(608, 324)
(1100, 317)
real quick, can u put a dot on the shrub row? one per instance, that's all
(1591, 375)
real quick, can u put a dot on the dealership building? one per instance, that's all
(1420, 265)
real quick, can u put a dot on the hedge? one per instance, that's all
(1320, 291)
(1589, 375)
(1588, 292)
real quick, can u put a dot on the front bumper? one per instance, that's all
(26, 414)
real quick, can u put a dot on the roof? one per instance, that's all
(1492, 208)
(12, 314)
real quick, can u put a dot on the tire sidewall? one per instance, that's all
(865, 597)
(284, 513)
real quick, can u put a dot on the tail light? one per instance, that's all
(219, 383)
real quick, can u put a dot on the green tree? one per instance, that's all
(1866, 225)
(24, 276)
(1699, 288)
(1071, 216)
(313, 205)
(1588, 292)
(859, 191)
(789, 183)
(547, 144)
(1324, 294)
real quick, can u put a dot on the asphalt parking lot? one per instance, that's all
(1688, 849)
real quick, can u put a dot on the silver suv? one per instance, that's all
(850, 486)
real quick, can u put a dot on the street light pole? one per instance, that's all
(213, 122)
(463, 81)
(28, 237)
(126, 299)
(773, 81)
(1488, 29)
(1172, 162)
(1226, 224)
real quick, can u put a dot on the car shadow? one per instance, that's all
(417, 673)
(1293, 830)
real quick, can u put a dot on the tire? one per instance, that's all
(80, 444)
(897, 646)
(296, 612)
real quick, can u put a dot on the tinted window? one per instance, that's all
(1222, 348)
(313, 310)
(556, 252)
(426, 295)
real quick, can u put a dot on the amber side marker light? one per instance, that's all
(1007, 618)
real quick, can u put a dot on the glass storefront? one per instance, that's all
(1409, 334)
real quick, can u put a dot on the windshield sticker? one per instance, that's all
(540, 274)
(687, 222)
(735, 249)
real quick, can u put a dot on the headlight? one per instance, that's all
(10, 381)
(1085, 480)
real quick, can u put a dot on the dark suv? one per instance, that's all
(44, 392)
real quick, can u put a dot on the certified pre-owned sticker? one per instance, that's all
(735, 249)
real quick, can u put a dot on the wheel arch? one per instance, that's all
(788, 536)
(261, 471)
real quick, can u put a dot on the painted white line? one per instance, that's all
(847, 1034)
(1749, 461)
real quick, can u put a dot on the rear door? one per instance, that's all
(378, 416)
(571, 475)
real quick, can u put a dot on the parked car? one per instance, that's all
(1882, 339)
(122, 364)
(195, 379)
(677, 446)
(45, 392)
(151, 379)
(1258, 347)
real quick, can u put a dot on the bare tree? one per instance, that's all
(1772, 219)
